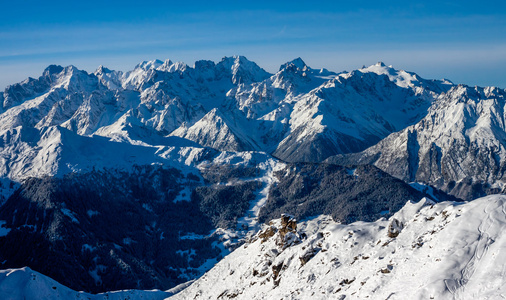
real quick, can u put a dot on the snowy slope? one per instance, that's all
(28, 284)
(44, 121)
(303, 114)
(214, 131)
(56, 151)
(242, 70)
(163, 94)
(425, 251)
(354, 111)
(344, 112)
(408, 79)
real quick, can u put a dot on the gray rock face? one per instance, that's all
(216, 132)
(318, 147)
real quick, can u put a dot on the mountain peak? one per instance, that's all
(235, 60)
(52, 69)
(240, 58)
(152, 64)
(242, 69)
(297, 63)
(169, 66)
(399, 77)
(165, 66)
(204, 64)
(72, 73)
(229, 59)
(379, 67)
(72, 69)
(102, 70)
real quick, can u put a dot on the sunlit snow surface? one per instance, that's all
(27, 284)
(444, 251)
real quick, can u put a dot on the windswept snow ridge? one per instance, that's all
(27, 284)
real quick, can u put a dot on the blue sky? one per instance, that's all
(464, 41)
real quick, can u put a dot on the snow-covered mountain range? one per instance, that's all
(298, 114)
(196, 158)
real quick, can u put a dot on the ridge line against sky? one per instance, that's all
(464, 42)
